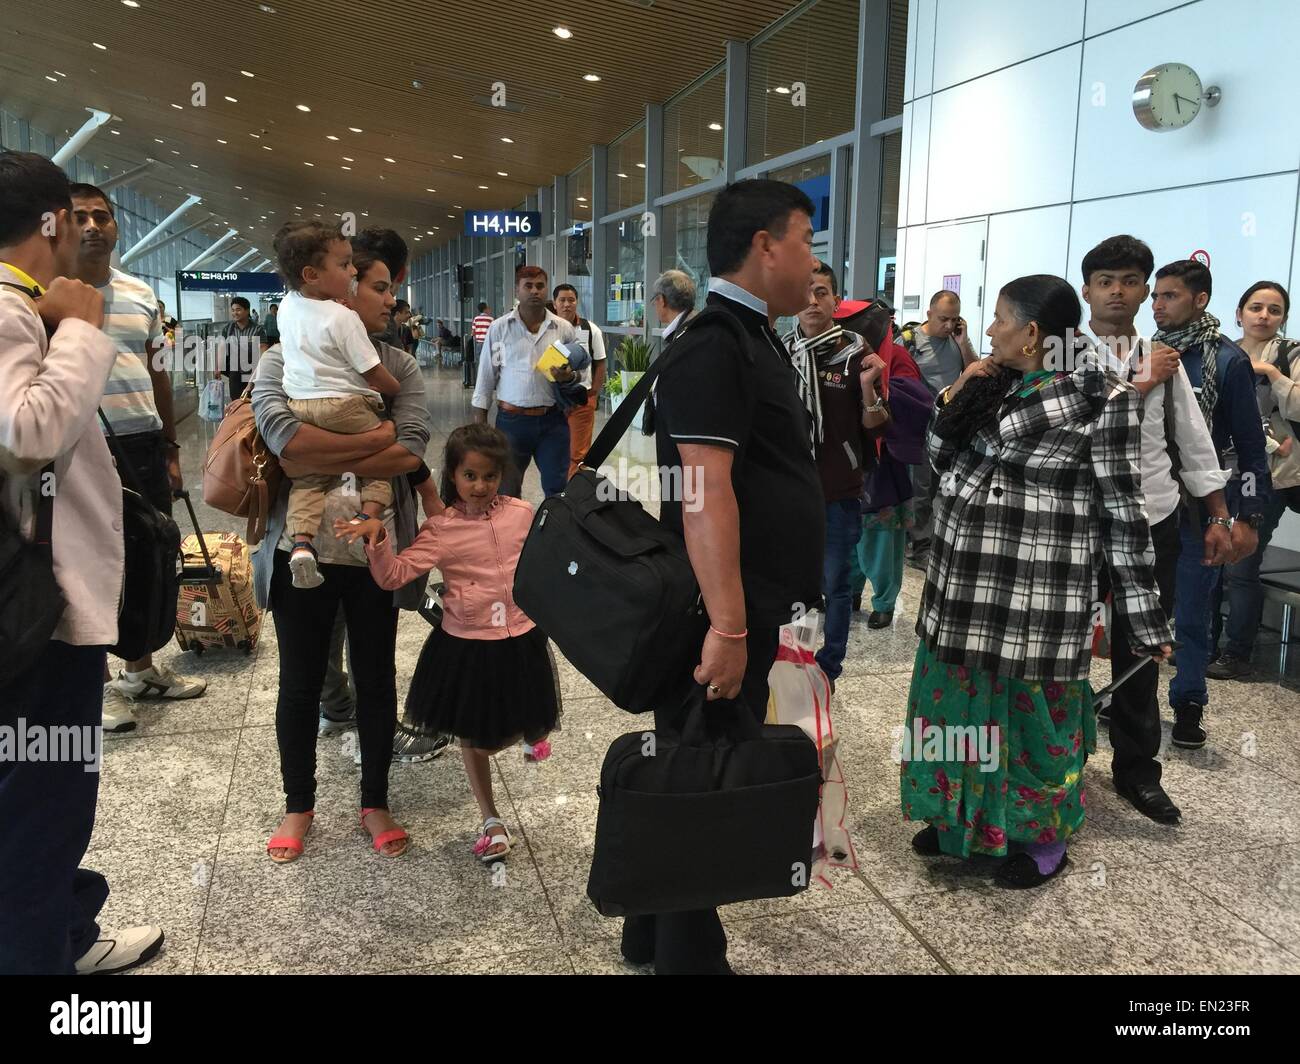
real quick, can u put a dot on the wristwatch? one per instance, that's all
(1226, 522)
(875, 408)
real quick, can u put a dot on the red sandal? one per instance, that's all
(385, 837)
(288, 842)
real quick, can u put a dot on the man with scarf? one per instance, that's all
(837, 378)
(1222, 377)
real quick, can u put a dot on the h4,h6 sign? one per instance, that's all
(503, 223)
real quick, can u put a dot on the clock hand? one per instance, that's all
(1184, 98)
(1177, 106)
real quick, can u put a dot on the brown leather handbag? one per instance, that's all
(240, 474)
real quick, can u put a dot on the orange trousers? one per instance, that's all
(582, 419)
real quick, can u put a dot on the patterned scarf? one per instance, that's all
(804, 353)
(1204, 331)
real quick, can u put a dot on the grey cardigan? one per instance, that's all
(276, 423)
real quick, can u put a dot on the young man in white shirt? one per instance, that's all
(138, 405)
(1116, 274)
(582, 419)
(52, 375)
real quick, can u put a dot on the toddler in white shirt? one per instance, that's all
(332, 374)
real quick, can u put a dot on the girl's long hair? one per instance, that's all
(487, 440)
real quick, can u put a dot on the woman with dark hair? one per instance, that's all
(1262, 314)
(304, 618)
(1036, 449)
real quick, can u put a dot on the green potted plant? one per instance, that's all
(633, 358)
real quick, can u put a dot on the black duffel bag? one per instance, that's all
(151, 578)
(31, 602)
(594, 557)
(719, 813)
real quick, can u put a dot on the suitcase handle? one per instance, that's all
(741, 722)
(181, 493)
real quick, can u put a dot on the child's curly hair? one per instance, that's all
(485, 439)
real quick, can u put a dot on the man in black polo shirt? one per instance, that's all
(729, 417)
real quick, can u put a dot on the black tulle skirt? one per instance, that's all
(485, 692)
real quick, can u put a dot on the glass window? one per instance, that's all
(814, 177)
(694, 134)
(891, 172)
(683, 241)
(625, 171)
(803, 79)
(896, 60)
(625, 273)
(498, 290)
(578, 209)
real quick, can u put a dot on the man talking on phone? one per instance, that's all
(942, 349)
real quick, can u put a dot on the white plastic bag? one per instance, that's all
(800, 694)
(214, 399)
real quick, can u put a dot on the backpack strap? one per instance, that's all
(621, 419)
(1192, 503)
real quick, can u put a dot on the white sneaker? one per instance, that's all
(302, 564)
(154, 682)
(116, 951)
(118, 714)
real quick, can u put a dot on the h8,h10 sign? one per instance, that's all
(503, 223)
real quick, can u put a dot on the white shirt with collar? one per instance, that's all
(740, 295)
(671, 327)
(1200, 462)
(512, 351)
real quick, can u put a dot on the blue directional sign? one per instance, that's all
(503, 223)
(217, 281)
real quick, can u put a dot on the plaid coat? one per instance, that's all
(1025, 517)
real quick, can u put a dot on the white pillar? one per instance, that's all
(142, 245)
(79, 139)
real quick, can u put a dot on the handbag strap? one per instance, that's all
(621, 419)
(119, 454)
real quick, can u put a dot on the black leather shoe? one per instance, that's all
(926, 842)
(1229, 667)
(1020, 872)
(1189, 732)
(857, 603)
(880, 620)
(1150, 799)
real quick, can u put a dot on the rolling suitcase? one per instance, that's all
(216, 607)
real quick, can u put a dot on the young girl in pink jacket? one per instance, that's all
(485, 675)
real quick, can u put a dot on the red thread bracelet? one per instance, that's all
(728, 635)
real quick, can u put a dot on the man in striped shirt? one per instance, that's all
(138, 405)
(478, 330)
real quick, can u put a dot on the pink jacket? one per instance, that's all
(477, 558)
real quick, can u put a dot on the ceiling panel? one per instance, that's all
(416, 77)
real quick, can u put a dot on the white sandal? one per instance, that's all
(486, 841)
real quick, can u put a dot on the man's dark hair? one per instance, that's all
(301, 243)
(385, 245)
(1117, 253)
(941, 295)
(563, 287)
(482, 307)
(744, 208)
(527, 271)
(1193, 274)
(30, 187)
(240, 301)
(272, 305)
(823, 269)
(401, 304)
(82, 190)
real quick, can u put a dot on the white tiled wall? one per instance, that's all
(1020, 111)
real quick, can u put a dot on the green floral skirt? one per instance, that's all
(992, 761)
(891, 518)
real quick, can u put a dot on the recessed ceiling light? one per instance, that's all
(345, 168)
(504, 140)
(483, 187)
(116, 132)
(308, 164)
(622, 175)
(715, 126)
(437, 227)
(178, 107)
(389, 159)
(582, 199)
(365, 214)
(61, 73)
(240, 187)
(641, 165)
(419, 238)
(303, 107)
(330, 136)
(783, 90)
(297, 208)
(267, 147)
(194, 166)
(231, 99)
(158, 140)
(51, 77)
(451, 216)
(590, 77)
(131, 3)
(248, 73)
(430, 190)
(563, 32)
(502, 173)
(256, 136)
(458, 156)
(220, 141)
(101, 47)
(348, 159)
(355, 130)
(458, 206)
(267, 8)
(175, 152)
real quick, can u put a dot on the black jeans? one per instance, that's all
(48, 904)
(1135, 709)
(304, 621)
(693, 943)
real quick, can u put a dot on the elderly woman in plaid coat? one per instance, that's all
(1036, 450)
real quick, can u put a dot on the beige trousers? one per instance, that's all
(347, 414)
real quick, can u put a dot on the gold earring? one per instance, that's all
(1027, 351)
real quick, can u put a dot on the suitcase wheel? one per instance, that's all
(245, 646)
(198, 648)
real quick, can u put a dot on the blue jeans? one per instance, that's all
(1193, 602)
(544, 440)
(1243, 590)
(48, 904)
(843, 527)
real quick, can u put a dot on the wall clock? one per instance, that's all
(1170, 96)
